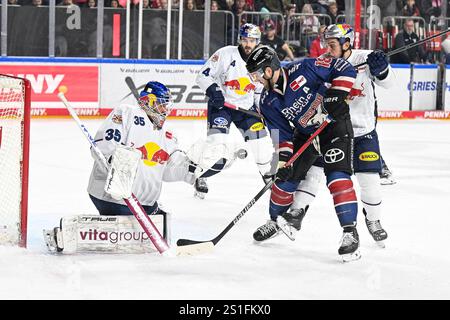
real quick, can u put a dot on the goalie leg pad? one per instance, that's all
(106, 208)
(105, 234)
(370, 194)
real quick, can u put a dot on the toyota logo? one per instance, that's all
(334, 155)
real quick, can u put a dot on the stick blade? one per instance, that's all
(185, 242)
(194, 249)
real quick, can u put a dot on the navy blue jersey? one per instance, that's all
(304, 87)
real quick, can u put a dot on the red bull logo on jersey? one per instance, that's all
(354, 92)
(240, 86)
(152, 154)
(369, 156)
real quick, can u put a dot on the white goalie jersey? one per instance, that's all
(161, 159)
(362, 95)
(227, 69)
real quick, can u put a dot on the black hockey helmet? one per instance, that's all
(261, 58)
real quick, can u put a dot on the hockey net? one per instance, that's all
(14, 149)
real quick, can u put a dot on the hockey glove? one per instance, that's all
(284, 173)
(378, 64)
(335, 104)
(318, 118)
(216, 99)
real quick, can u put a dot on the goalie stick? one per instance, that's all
(132, 87)
(409, 46)
(187, 247)
(132, 202)
(134, 91)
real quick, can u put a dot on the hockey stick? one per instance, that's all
(249, 112)
(132, 87)
(409, 46)
(134, 91)
(186, 246)
(132, 202)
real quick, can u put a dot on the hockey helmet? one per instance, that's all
(249, 30)
(261, 58)
(156, 101)
(342, 32)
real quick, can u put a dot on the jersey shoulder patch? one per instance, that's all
(117, 118)
(343, 76)
(342, 65)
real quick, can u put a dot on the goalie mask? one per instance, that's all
(156, 101)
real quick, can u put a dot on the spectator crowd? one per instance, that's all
(293, 27)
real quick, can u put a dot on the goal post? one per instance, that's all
(14, 159)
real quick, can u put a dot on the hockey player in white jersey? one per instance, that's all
(224, 78)
(155, 158)
(367, 160)
(140, 127)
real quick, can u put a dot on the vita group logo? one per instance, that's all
(240, 86)
(152, 154)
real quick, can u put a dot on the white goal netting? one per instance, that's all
(12, 161)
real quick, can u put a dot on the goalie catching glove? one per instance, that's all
(212, 155)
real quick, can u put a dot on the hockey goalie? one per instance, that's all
(141, 155)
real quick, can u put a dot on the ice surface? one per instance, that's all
(416, 214)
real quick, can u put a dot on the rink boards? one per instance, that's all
(95, 86)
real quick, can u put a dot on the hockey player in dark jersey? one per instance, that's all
(295, 101)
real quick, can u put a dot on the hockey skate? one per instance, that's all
(377, 232)
(349, 249)
(52, 238)
(386, 177)
(266, 231)
(290, 222)
(201, 188)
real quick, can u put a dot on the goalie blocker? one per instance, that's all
(104, 234)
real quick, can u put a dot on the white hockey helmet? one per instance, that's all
(249, 30)
(342, 32)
